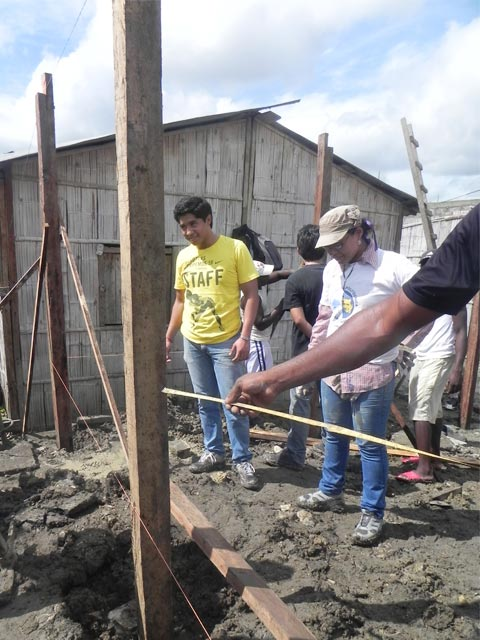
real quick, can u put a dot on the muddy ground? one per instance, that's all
(68, 571)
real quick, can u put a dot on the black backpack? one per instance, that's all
(261, 248)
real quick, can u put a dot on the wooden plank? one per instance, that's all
(139, 145)
(276, 436)
(471, 366)
(48, 197)
(275, 615)
(36, 315)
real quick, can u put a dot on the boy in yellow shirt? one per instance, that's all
(210, 274)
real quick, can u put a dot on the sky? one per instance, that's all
(357, 66)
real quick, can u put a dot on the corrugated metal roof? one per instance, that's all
(264, 113)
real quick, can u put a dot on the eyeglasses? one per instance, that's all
(338, 246)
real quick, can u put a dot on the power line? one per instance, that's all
(463, 195)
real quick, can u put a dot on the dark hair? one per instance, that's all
(368, 231)
(307, 238)
(199, 207)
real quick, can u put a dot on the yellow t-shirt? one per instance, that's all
(211, 279)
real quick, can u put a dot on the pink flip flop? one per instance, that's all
(410, 460)
(413, 476)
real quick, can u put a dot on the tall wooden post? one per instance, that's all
(471, 366)
(323, 185)
(139, 141)
(47, 174)
(323, 188)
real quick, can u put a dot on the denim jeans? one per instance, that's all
(368, 413)
(298, 433)
(213, 373)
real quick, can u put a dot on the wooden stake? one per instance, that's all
(47, 173)
(19, 283)
(139, 142)
(94, 342)
(36, 315)
(471, 366)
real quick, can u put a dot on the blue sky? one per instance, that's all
(358, 67)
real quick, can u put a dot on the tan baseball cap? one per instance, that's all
(336, 223)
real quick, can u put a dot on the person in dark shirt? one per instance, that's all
(302, 295)
(446, 283)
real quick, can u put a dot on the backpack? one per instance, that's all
(261, 248)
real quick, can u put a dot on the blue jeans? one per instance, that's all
(367, 414)
(298, 432)
(213, 374)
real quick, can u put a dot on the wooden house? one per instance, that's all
(251, 169)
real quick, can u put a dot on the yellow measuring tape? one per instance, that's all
(329, 427)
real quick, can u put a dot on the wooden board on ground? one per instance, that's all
(270, 609)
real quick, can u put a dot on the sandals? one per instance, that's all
(413, 477)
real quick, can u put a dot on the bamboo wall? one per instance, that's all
(249, 170)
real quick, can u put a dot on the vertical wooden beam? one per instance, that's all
(11, 324)
(323, 185)
(139, 143)
(323, 188)
(47, 175)
(471, 366)
(248, 172)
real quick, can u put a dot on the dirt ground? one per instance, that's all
(68, 571)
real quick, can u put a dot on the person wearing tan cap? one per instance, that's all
(443, 286)
(358, 275)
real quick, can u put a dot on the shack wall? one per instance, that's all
(247, 168)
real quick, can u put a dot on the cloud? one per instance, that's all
(359, 67)
(436, 87)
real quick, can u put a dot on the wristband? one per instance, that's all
(244, 338)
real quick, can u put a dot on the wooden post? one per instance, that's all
(139, 142)
(323, 185)
(47, 174)
(471, 366)
(10, 316)
(323, 188)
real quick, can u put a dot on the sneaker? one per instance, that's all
(319, 501)
(368, 530)
(246, 473)
(282, 459)
(208, 461)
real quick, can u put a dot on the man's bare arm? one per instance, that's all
(363, 337)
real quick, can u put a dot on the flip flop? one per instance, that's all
(413, 476)
(410, 459)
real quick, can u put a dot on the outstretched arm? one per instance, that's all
(363, 337)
